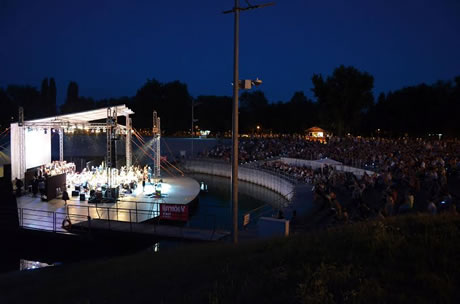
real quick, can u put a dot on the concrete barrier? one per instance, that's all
(270, 227)
(313, 164)
(251, 175)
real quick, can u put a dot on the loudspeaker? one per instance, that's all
(75, 193)
(82, 197)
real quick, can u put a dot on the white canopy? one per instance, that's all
(82, 117)
(31, 142)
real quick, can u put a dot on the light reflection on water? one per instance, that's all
(214, 208)
(30, 265)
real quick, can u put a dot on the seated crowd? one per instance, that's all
(411, 175)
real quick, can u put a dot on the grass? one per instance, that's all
(399, 260)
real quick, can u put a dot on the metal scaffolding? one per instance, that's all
(61, 144)
(128, 146)
(111, 159)
(156, 144)
(22, 158)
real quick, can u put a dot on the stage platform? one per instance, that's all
(139, 207)
(175, 190)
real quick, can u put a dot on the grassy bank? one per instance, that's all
(400, 260)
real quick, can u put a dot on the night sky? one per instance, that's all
(110, 48)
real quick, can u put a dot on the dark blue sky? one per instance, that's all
(111, 47)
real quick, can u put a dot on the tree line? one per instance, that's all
(344, 103)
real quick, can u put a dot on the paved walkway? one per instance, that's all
(302, 203)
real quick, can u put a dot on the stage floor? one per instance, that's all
(175, 190)
(137, 207)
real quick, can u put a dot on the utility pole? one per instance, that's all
(236, 10)
(193, 120)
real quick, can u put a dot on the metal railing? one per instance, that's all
(256, 213)
(83, 218)
(271, 209)
(45, 220)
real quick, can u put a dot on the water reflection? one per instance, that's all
(29, 265)
(214, 209)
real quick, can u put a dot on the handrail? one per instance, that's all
(46, 220)
(43, 219)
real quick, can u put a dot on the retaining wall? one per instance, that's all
(261, 178)
(317, 165)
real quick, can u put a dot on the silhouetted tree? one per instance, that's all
(344, 104)
(71, 102)
(72, 92)
(143, 103)
(52, 96)
(44, 92)
(419, 110)
(213, 113)
(343, 97)
(74, 103)
(253, 110)
(7, 114)
(175, 106)
(301, 114)
(27, 97)
(172, 102)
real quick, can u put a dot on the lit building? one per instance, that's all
(317, 134)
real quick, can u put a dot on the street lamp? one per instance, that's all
(236, 10)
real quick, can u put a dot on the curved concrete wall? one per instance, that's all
(317, 165)
(261, 178)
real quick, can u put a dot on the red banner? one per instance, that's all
(174, 212)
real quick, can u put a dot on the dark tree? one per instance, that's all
(171, 101)
(175, 106)
(419, 110)
(7, 115)
(44, 92)
(253, 110)
(74, 103)
(71, 102)
(52, 97)
(72, 92)
(301, 113)
(213, 113)
(27, 97)
(343, 97)
(143, 103)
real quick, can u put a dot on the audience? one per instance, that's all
(411, 175)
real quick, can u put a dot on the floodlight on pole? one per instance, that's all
(247, 84)
(236, 10)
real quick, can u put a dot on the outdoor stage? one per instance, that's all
(175, 203)
(138, 214)
(119, 202)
